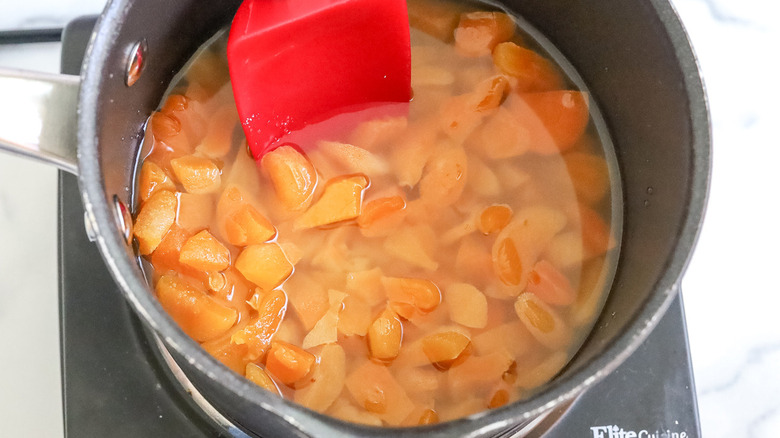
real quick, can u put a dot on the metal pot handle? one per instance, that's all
(38, 116)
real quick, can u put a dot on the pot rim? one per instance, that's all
(114, 250)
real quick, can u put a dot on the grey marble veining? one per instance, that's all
(731, 290)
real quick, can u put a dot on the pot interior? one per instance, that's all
(634, 58)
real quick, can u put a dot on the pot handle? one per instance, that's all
(38, 116)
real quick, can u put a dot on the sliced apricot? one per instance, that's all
(292, 175)
(152, 179)
(341, 200)
(204, 252)
(288, 362)
(434, 17)
(555, 119)
(410, 296)
(257, 334)
(155, 218)
(480, 31)
(264, 264)
(443, 348)
(532, 71)
(377, 211)
(197, 314)
(259, 377)
(589, 175)
(494, 218)
(246, 226)
(376, 390)
(229, 354)
(542, 321)
(197, 174)
(384, 336)
(195, 211)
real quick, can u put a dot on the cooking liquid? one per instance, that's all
(520, 243)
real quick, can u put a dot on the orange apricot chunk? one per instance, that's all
(443, 348)
(597, 236)
(258, 333)
(189, 114)
(379, 210)
(197, 174)
(384, 336)
(411, 296)
(341, 200)
(500, 398)
(229, 354)
(152, 179)
(589, 174)
(156, 217)
(429, 416)
(204, 252)
(532, 71)
(166, 256)
(200, 316)
(375, 389)
(555, 119)
(292, 175)
(259, 377)
(549, 284)
(167, 129)
(264, 264)
(246, 226)
(480, 31)
(195, 211)
(542, 321)
(288, 362)
(508, 263)
(327, 379)
(467, 305)
(494, 218)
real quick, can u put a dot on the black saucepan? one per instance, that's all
(633, 55)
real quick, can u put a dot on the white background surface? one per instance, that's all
(731, 292)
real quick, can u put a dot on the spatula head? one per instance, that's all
(297, 62)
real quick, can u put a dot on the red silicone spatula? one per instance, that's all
(297, 62)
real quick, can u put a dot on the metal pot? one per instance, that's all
(633, 55)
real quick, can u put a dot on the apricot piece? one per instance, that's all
(292, 175)
(467, 305)
(197, 174)
(246, 226)
(376, 390)
(555, 119)
(429, 416)
(477, 371)
(479, 32)
(156, 217)
(288, 363)
(532, 71)
(257, 334)
(411, 296)
(325, 331)
(197, 314)
(195, 211)
(166, 256)
(589, 175)
(152, 179)
(327, 379)
(549, 284)
(355, 317)
(190, 114)
(341, 200)
(542, 321)
(204, 252)
(379, 212)
(229, 354)
(494, 218)
(597, 236)
(384, 336)
(259, 377)
(264, 264)
(444, 347)
(167, 129)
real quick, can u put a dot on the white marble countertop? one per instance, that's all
(731, 295)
